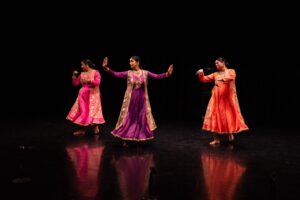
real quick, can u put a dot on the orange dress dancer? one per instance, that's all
(223, 114)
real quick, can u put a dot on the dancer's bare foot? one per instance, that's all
(214, 142)
(230, 137)
(96, 130)
(79, 133)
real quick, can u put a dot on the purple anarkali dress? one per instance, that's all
(87, 109)
(135, 120)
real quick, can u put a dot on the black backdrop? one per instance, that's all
(41, 51)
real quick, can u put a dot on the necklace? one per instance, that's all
(223, 72)
(137, 72)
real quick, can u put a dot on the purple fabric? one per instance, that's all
(156, 76)
(133, 174)
(135, 125)
(118, 74)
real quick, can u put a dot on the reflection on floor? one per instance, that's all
(222, 172)
(86, 158)
(133, 167)
(45, 161)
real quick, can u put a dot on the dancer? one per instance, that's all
(87, 109)
(223, 115)
(135, 120)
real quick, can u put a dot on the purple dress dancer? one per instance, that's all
(135, 120)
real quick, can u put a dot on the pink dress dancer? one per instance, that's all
(87, 109)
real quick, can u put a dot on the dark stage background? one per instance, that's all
(41, 49)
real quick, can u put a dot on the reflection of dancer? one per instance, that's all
(87, 161)
(222, 173)
(223, 115)
(136, 121)
(134, 170)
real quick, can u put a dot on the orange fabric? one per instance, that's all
(222, 175)
(223, 113)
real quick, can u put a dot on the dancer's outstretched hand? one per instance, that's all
(104, 64)
(170, 70)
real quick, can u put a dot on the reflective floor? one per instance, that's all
(43, 160)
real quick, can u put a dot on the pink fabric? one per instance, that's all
(87, 109)
(86, 161)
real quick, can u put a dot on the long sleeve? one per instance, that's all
(97, 79)
(118, 74)
(206, 79)
(230, 76)
(156, 76)
(76, 81)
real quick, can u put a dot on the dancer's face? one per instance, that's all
(84, 66)
(219, 65)
(133, 64)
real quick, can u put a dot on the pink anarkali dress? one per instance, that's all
(87, 109)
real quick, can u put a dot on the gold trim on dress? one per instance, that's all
(132, 139)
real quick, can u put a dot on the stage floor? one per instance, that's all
(43, 160)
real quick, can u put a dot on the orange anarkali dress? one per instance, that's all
(223, 115)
